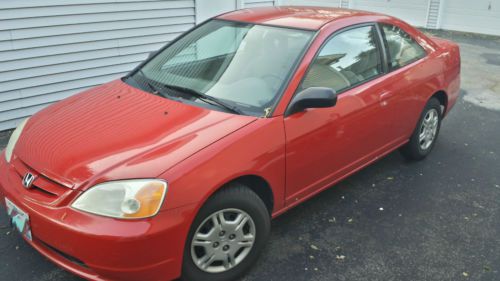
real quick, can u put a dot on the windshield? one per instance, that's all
(238, 65)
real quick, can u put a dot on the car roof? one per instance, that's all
(305, 17)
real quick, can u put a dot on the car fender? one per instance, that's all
(257, 149)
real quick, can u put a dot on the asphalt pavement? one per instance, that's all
(438, 219)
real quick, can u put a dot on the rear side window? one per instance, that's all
(402, 48)
(347, 59)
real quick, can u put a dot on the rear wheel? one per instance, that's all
(424, 137)
(227, 236)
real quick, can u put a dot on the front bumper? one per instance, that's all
(101, 248)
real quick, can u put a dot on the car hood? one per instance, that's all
(115, 131)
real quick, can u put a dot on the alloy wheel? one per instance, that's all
(223, 240)
(428, 129)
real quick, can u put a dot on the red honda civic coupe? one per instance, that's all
(176, 169)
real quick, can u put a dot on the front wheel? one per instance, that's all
(424, 137)
(227, 236)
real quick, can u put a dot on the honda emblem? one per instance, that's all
(28, 180)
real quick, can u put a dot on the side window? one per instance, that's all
(403, 49)
(348, 59)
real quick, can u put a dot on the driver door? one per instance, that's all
(325, 144)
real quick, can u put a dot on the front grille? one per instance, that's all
(43, 188)
(44, 191)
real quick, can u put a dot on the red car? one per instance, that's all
(176, 169)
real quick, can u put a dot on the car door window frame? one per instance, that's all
(386, 46)
(379, 44)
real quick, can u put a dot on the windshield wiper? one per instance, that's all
(201, 96)
(152, 87)
(205, 98)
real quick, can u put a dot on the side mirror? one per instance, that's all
(313, 97)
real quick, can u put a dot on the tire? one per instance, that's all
(233, 201)
(415, 149)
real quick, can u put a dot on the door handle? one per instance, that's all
(384, 96)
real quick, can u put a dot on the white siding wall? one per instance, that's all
(320, 3)
(257, 3)
(480, 16)
(345, 4)
(412, 11)
(206, 9)
(52, 49)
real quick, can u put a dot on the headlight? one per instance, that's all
(125, 199)
(13, 140)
